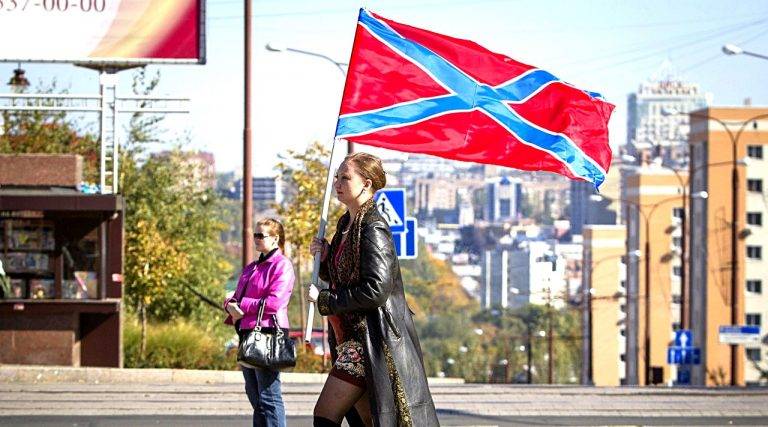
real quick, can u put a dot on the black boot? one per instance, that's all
(324, 422)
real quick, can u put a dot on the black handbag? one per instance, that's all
(266, 348)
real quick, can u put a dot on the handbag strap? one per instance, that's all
(278, 329)
(260, 316)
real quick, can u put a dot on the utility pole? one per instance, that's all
(529, 376)
(247, 250)
(550, 339)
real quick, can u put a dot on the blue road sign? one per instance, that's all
(391, 205)
(683, 355)
(735, 334)
(683, 375)
(406, 243)
(683, 338)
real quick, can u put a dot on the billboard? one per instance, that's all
(103, 31)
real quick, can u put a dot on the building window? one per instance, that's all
(677, 271)
(623, 284)
(677, 242)
(677, 213)
(754, 218)
(623, 308)
(623, 332)
(623, 357)
(676, 298)
(753, 354)
(755, 151)
(676, 326)
(755, 185)
(754, 319)
(755, 252)
(755, 286)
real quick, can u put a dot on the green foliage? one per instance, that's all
(171, 228)
(182, 344)
(432, 287)
(171, 236)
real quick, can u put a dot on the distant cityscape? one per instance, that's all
(515, 238)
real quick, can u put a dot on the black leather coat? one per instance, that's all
(391, 336)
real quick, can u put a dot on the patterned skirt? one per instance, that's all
(349, 365)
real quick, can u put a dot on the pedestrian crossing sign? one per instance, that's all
(391, 205)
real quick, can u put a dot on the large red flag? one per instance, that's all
(413, 90)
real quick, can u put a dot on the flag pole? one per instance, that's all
(321, 236)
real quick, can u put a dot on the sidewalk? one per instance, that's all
(101, 392)
(28, 374)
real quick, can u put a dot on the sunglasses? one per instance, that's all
(260, 236)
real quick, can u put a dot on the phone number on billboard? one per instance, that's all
(53, 5)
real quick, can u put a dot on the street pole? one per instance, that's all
(247, 180)
(647, 353)
(590, 329)
(734, 259)
(683, 258)
(550, 342)
(530, 354)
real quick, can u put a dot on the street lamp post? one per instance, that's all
(274, 47)
(247, 250)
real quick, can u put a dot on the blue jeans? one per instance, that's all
(263, 389)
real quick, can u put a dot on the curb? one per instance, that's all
(32, 374)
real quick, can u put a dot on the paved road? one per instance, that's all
(78, 404)
(445, 420)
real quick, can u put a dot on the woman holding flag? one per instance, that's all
(378, 367)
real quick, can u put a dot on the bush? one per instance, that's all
(185, 344)
(180, 344)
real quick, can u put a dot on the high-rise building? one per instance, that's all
(712, 229)
(604, 304)
(503, 196)
(200, 167)
(266, 191)
(584, 210)
(655, 127)
(655, 199)
(530, 272)
(440, 198)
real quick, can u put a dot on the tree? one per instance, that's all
(304, 175)
(431, 286)
(172, 233)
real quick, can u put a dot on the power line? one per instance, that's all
(643, 55)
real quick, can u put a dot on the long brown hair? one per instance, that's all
(275, 228)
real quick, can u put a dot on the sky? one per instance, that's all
(605, 46)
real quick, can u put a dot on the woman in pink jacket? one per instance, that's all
(268, 281)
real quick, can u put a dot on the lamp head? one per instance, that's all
(274, 47)
(732, 49)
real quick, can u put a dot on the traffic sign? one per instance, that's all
(683, 338)
(406, 243)
(736, 334)
(683, 375)
(683, 355)
(391, 205)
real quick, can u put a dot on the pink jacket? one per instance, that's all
(271, 281)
